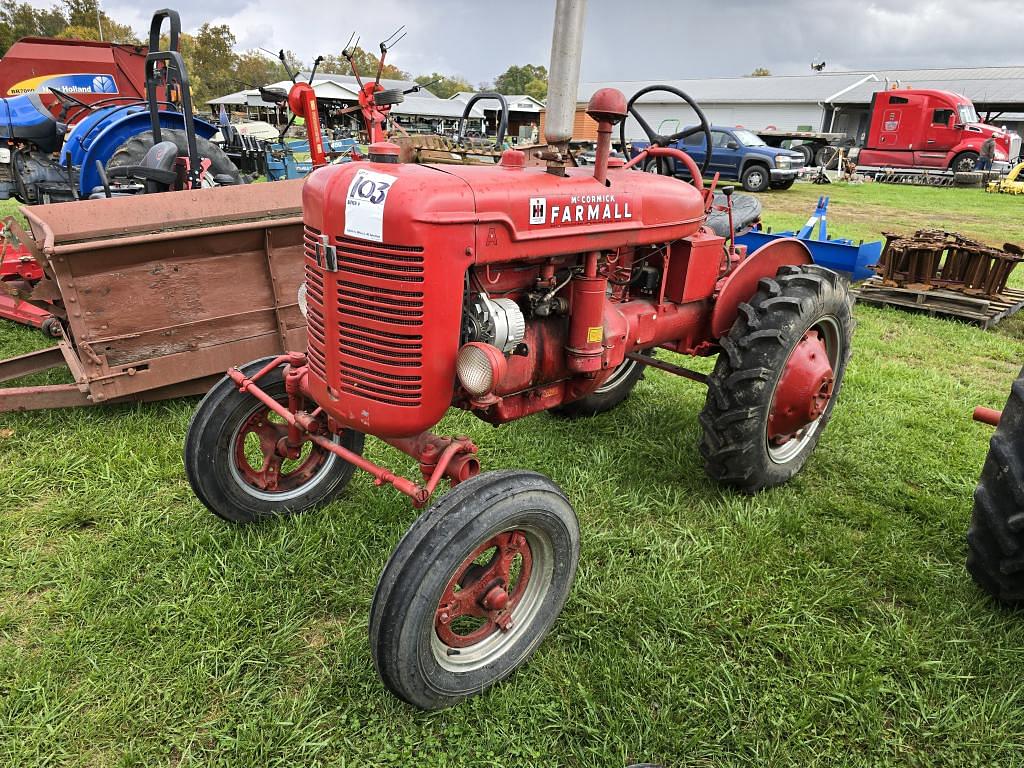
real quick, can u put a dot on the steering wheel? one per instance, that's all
(657, 139)
(67, 102)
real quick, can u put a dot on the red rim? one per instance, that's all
(480, 597)
(803, 391)
(277, 473)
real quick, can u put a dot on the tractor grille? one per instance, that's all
(376, 298)
(380, 312)
(315, 335)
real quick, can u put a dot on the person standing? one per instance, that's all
(987, 155)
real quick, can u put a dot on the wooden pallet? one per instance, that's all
(978, 310)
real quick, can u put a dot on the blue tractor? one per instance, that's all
(113, 147)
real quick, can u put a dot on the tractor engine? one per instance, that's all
(504, 289)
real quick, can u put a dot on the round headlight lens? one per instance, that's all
(475, 369)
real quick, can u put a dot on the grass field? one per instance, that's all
(829, 622)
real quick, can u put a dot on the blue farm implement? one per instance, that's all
(838, 254)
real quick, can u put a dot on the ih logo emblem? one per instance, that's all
(538, 210)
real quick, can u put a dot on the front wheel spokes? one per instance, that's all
(481, 596)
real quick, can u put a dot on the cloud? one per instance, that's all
(646, 40)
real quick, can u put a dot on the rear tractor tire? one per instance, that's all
(777, 378)
(473, 587)
(995, 539)
(232, 462)
(612, 393)
(134, 150)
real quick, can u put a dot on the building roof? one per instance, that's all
(519, 102)
(718, 90)
(983, 85)
(431, 106)
(349, 80)
(427, 104)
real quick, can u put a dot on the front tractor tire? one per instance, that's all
(232, 461)
(995, 539)
(777, 378)
(473, 587)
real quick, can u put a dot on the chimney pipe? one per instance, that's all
(564, 72)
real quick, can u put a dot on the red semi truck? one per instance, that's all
(909, 128)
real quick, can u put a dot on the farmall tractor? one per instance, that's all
(506, 291)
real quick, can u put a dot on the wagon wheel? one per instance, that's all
(776, 381)
(234, 461)
(473, 587)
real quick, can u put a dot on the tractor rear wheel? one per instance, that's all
(133, 150)
(995, 540)
(610, 394)
(232, 460)
(473, 587)
(773, 388)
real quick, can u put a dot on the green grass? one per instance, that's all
(829, 622)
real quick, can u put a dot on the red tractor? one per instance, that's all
(508, 290)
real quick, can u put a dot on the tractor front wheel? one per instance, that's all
(473, 587)
(995, 540)
(234, 460)
(773, 388)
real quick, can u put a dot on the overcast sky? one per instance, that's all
(639, 40)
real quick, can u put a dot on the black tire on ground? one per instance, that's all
(51, 327)
(226, 419)
(610, 394)
(659, 165)
(968, 178)
(431, 659)
(135, 148)
(995, 539)
(827, 157)
(755, 178)
(965, 161)
(807, 150)
(741, 389)
(783, 185)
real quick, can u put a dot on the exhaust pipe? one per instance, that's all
(564, 73)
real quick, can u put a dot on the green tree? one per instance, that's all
(444, 86)
(537, 88)
(761, 72)
(82, 24)
(366, 65)
(255, 68)
(18, 20)
(210, 57)
(515, 79)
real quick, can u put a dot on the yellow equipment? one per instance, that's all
(1013, 184)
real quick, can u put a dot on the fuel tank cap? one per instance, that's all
(384, 152)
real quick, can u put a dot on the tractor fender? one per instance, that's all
(98, 137)
(741, 284)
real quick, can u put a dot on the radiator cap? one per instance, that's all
(513, 158)
(384, 152)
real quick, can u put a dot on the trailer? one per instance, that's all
(811, 144)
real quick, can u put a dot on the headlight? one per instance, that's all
(303, 304)
(480, 367)
(782, 161)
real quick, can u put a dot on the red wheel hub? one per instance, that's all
(480, 597)
(264, 467)
(804, 389)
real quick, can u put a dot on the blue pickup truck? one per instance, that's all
(736, 154)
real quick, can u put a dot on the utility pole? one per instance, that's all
(99, 21)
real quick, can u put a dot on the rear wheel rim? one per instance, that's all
(621, 373)
(276, 478)
(829, 331)
(468, 634)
